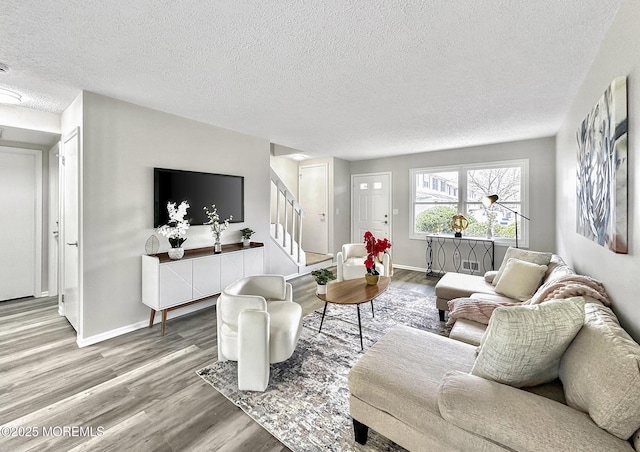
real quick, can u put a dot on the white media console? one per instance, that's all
(201, 274)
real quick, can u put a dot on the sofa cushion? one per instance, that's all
(458, 285)
(400, 373)
(523, 344)
(535, 257)
(467, 331)
(517, 419)
(600, 372)
(520, 279)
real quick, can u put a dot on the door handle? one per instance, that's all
(321, 214)
(73, 244)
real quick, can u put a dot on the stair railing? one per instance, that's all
(288, 206)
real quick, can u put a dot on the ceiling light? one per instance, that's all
(296, 156)
(9, 97)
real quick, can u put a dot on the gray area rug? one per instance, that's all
(306, 405)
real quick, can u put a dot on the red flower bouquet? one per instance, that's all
(374, 247)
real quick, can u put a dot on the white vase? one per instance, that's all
(321, 289)
(246, 242)
(176, 253)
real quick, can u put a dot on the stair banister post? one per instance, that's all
(277, 210)
(293, 226)
(300, 214)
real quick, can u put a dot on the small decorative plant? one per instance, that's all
(323, 276)
(177, 227)
(374, 248)
(247, 233)
(217, 228)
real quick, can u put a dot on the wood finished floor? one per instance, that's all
(141, 388)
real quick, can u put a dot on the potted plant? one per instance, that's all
(246, 235)
(374, 248)
(176, 228)
(217, 228)
(322, 277)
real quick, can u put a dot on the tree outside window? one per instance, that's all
(460, 190)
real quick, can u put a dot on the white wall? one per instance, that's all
(618, 55)
(341, 205)
(122, 144)
(541, 155)
(27, 118)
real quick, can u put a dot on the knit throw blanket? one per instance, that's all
(480, 310)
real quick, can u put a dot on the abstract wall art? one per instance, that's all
(602, 170)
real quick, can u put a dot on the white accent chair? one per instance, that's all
(351, 262)
(258, 324)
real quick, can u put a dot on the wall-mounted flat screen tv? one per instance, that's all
(199, 190)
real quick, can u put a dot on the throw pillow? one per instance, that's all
(600, 372)
(523, 345)
(520, 279)
(535, 257)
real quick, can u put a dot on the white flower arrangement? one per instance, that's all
(214, 220)
(177, 227)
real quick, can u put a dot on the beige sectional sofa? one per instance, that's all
(423, 391)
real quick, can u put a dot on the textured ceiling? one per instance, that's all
(351, 79)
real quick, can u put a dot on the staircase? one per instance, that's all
(288, 257)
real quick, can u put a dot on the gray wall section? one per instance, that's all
(341, 205)
(541, 155)
(122, 144)
(619, 55)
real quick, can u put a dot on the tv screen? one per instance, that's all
(199, 190)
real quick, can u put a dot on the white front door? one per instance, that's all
(20, 220)
(70, 247)
(371, 206)
(313, 198)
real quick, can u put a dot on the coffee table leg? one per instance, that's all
(360, 327)
(323, 312)
(372, 313)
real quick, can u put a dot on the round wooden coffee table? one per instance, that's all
(353, 291)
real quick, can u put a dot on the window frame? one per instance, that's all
(523, 229)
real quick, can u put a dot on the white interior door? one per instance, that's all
(20, 199)
(70, 223)
(313, 198)
(371, 206)
(54, 219)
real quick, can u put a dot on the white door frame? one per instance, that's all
(54, 230)
(73, 135)
(37, 286)
(381, 173)
(327, 206)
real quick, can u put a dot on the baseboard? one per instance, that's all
(409, 267)
(84, 342)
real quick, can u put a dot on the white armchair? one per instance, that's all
(351, 262)
(258, 324)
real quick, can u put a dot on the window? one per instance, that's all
(461, 189)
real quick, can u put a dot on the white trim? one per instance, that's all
(390, 206)
(409, 267)
(37, 257)
(84, 342)
(75, 133)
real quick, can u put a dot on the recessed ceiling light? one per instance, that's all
(296, 156)
(9, 97)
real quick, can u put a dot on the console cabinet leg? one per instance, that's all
(441, 314)
(164, 320)
(152, 317)
(360, 431)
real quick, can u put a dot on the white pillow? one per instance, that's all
(535, 257)
(520, 279)
(523, 345)
(600, 372)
